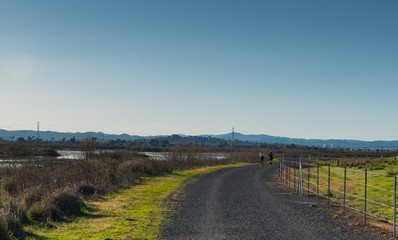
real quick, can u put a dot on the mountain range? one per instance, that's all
(257, 138)
(329, 143)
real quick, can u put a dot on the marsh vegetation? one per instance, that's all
(47, 190)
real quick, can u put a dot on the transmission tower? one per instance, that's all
(38, 131)
(233, 138)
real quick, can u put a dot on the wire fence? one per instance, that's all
(373, 193)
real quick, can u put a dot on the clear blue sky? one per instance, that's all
(310, 69)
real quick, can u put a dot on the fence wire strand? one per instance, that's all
(317, 187)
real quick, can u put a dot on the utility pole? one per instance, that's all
(35, 148)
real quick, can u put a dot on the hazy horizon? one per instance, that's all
(307, 69)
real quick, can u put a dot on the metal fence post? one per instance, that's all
(301, 178)
(294, 178)
(329, 187)
(280, 170)
(317, 181)
(280, 162)
(298, 179)
(345, 187)
(366, 184)
(283, 170)
(286, 173)
(289, 173)
(308, 178)
(395, 203)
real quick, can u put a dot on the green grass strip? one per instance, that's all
(134, 213)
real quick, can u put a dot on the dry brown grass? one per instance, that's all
(52, 190)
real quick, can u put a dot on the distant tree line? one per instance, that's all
(165, 142)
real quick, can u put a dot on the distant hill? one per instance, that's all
(50, 135)
(257, 138)
(337, 143)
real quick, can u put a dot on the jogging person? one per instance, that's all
(262, 157)
(271, 157)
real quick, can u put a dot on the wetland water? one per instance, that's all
(77, 155)
(152, 155)
(169, 155)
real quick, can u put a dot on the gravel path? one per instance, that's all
(243, 203)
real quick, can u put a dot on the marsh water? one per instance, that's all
(169, 155)
(151, 155)
(77, 155)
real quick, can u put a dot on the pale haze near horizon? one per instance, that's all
(307, 69)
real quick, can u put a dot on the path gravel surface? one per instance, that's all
(246, 203)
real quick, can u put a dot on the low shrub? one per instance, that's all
(111, 175)
(134, 166)
(37, 214)
(378, 168)
(86, 190)
(31, 196)
(68, 203)
(127, 172)
(10, 227)
(9, 185)
(12, 208)
(52, 213)
(4, 234)
(390, 171)
(15, 227)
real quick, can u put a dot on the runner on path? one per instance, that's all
(271, 157)
(261, 157)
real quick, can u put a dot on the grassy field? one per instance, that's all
(133, 213)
